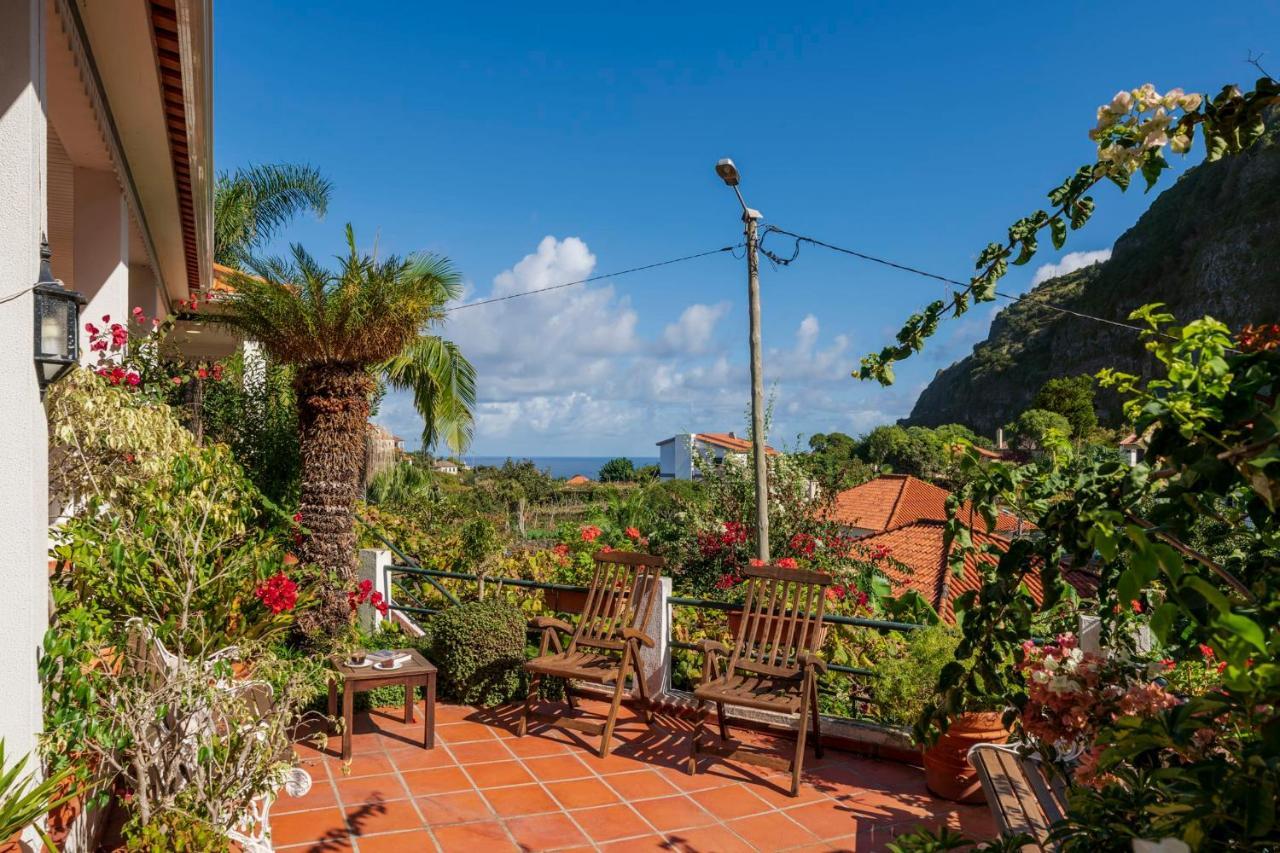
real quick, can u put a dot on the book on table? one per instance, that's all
(389, 657)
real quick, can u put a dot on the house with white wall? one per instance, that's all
(687, 455)
(106, 151)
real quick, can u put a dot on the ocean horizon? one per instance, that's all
(562, 467)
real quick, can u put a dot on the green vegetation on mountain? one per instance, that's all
(1210, 244)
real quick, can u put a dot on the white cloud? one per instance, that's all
(1070, 262)
(693, 332)
(569, 371)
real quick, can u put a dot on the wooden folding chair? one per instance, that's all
(605, 646)
(774, 664)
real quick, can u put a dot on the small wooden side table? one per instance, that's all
(414, 672)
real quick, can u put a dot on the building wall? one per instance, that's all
(102, 248)
(23, 450)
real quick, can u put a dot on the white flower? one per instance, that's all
(1180, 144)
(1172, 99)
(1122, 102)
(1191, 103)
(1040, 676)
(1062, 684)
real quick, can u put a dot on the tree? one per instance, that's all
(833, 462)
(251, 204)
(620, 470)
(338, 329)
(1071, 397)
(1038, 429)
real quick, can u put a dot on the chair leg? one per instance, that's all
(535, 682)
(817, 724)
(797, 762)
(699, 721)
(720, 720)
(618, 688)
(646, 707)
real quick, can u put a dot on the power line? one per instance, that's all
(800, 238)
(593, 278)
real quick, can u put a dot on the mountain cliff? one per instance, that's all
(1210, 244)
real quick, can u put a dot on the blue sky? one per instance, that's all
(917, 132)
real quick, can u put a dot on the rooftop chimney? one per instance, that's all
(999, 438)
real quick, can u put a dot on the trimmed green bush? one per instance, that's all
(479, 649)
(904, 683)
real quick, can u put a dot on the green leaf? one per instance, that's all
(1244, 628)
(1162, 621)
(1058, 230)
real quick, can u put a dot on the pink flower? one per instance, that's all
(106, 318)
(176, 380)
(132, 378)
(119, 335)
(99, 345)
(277, 593)
(756, 562)
(90, 328)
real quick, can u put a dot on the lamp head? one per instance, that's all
(727, 172)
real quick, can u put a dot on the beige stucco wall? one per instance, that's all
(23, 443)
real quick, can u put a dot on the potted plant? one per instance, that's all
(904, 687)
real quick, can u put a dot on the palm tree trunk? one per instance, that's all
(333, 413)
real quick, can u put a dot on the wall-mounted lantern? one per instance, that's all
(57, 311)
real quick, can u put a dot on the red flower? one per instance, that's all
(787, 563)
(277, 593)
(836, 592)
(132, 378)
(366, 586)
(756, 562)
(297, 518)
(804, 544)
(1168, 663)
(1136, 605)
(202, 373)
(861, 598)
(90, 328)
(117, 375)
(633, 534)
(98, 345)
(561, 550)
(217, 372)
(1207, 651)
(106, 318)
(727, 580)
(590, 533)
(880, 552)
(119, 335)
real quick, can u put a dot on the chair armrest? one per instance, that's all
(809, 659)
(543, 623)
(709, 647)
(639, 636)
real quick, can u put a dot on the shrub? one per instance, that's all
(479, 648)
(904, 683)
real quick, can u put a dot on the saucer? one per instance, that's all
(367, 662)
(388, 667)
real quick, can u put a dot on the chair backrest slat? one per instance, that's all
(623, 590)
(781, 617)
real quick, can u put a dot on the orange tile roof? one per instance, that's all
(577, 480)
(731, 442)
(891, 500)
(918, 546)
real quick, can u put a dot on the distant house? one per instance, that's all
(681, 456)
(1132, 449)
(918, 561)
(578, 480)
(892, 500)
(445, 466)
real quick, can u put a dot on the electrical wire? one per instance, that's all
(13, 296)
(800, 238)
(593, 278)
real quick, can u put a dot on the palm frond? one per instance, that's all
(252, 203)
(443, 384)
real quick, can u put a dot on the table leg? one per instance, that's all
(333, 702)
(348, 719)
(429, 712)
(408, 701)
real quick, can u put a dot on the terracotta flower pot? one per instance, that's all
(735, 622)
(947, 771)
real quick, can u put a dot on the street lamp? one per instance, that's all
(57, 323)
(728, 173)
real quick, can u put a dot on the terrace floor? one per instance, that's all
(482, 789)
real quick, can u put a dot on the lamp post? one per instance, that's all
(57, 323)
(729, 174)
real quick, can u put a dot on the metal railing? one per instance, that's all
(434, 577)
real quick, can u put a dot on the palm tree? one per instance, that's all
(339, 330)
(252, 203)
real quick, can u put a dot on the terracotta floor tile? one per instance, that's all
(452, 733)
(582, 793)
(771, 831)
(730, 802)
(637, 845)
(473, 838)
(304, 827)
(456, 807)
(609, 823)
(329, 845)
(439, 780)
(398, 842)
(532, 745)
(383, 817)
(498, 773)
(321, 795)
(826, 820)
(640, 785)
(373, 764)
(546, 832)
(700, 781)
(520, 800)
(669, 813)
(553, 768)
(480, 751)
(417, 758)
(368, 789)
(706, 840)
